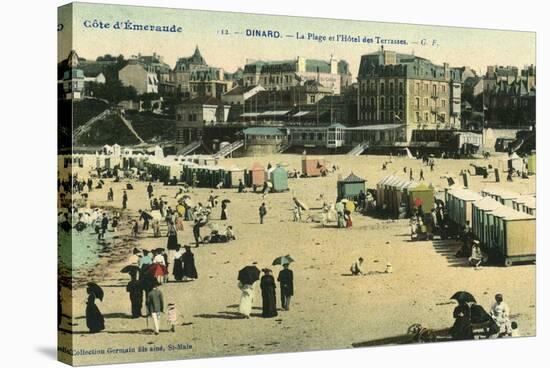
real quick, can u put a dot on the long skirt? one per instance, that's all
(269, 305)
(247, 298)
(94, 319)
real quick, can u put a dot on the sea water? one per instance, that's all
(79, 251)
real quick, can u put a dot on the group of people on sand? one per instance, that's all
(495, 324)
(268, 288)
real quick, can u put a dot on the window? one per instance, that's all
(391, 88)
(382, 103)
(426, 103)
(312, 99)
(418, 102)
(443, 103)
(443, 88)
(426, 88)
(426, 117)
(382, 88)
(417, 88)
(391, 102)
(418, 116)
(434, 90)
(372, 103)
(400, 87)
(401, 102)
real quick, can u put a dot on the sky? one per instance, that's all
(475, 48)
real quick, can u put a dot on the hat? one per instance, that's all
(136, 251)
(266, 270)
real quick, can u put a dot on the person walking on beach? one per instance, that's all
(150, 190)
(124, 200)
(223, 215)
(422, 174)
(135, 292)
(241, 186)
(269, 298)
(177, 269)
(247, 298)
(155, 306)
(172, 316)
(110, 195)
(286, 281)
(94, 319)
(189, 269)
(262, 211)
(411, 174)
(104, 226)
(146, 218)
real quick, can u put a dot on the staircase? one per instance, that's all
(284, 148)
(192, 146)
(229, 149)
(130, 127)
(88, 125)
(359, 149)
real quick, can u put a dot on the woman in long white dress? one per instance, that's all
(247, 297)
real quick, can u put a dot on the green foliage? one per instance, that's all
(113, 91)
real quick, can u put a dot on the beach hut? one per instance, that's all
(532, 163)
(459, 205)
(421, 194)
(512, 235)
(313, 166)
(380, 187)
(257, 175)
(235, 174)
(279, 179)
(530, 206)
(480, 211)
(350, 187)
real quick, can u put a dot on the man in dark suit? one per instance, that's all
(286, 279)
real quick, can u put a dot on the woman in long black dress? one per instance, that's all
(462, 328)
(178, 265)
(224, 211)
(135, 290)
(189, 269)
(172, 242)
(94, 318)
(269, 299)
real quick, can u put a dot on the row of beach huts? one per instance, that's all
(502, 221)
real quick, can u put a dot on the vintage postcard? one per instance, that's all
(233, 184)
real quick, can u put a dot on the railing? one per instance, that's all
(189, 148)
(227, 150)
(359, 149)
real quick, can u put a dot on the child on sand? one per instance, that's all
(172, 316)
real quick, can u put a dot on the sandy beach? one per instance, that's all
(330, 309)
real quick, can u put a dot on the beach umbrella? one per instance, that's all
(282, 260)
(96, 290)
(463, 296)
(159, 250)
(249, 275)
(226, 201)
(130, 269)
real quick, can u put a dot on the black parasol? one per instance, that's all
(96, 290)
(463, 296)
(131, 269)
(249, 275)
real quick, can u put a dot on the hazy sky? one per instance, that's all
(476, 48)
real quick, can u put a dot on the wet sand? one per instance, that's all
(330, 309)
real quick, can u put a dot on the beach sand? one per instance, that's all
(330, 309)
